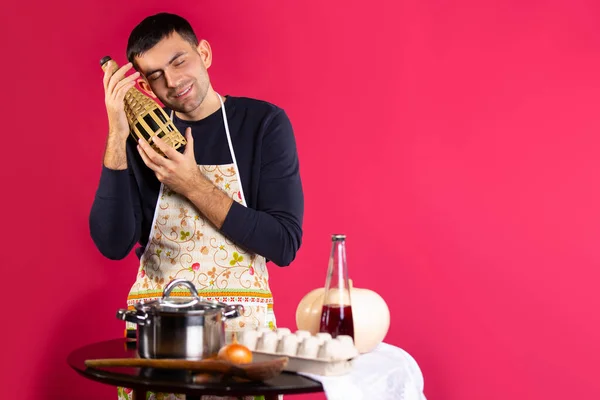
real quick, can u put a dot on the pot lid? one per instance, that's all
(179, 304)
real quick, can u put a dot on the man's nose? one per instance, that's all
(171, 79)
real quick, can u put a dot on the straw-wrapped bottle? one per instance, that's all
(147, 119)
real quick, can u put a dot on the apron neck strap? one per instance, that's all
(235, 165)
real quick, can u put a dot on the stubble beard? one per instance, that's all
(191, 106)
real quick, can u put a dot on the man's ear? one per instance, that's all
(145, 87)
(205, 53)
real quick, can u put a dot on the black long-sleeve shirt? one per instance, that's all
(265, 150)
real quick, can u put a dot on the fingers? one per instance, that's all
(118, 77)
(108, 72)
(151, 158)
(189, 147)
(123, 87)
(167, 150)
(147, 160)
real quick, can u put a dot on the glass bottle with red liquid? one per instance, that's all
(336, 317)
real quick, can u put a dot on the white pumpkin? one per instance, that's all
(370, 314)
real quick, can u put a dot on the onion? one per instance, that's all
(235, 353)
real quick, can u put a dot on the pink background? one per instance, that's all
(454, 142)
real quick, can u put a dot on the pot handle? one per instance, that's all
(131, 316)
(181, 282)
(233, 311)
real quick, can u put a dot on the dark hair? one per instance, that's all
(155, 28)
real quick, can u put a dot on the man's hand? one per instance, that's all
(181, 174)
(178, 171)
(116, 86)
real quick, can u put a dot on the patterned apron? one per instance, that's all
(184, 244)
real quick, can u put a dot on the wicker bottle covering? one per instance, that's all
(147, 119)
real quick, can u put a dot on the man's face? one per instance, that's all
(176, 72)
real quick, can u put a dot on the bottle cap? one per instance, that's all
(104, 60)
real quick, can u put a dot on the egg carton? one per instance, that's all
(318, 354)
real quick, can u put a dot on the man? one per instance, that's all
(216, 211)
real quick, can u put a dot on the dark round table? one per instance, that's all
(176, 381)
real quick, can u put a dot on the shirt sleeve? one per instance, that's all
(115, 216)
(274, 228)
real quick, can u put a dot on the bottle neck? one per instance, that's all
(337, 289)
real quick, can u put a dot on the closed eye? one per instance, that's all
(155, 76)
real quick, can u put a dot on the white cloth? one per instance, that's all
(385, 373)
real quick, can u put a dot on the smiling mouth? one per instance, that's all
(184, 92)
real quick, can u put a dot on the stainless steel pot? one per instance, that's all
(179, 327)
